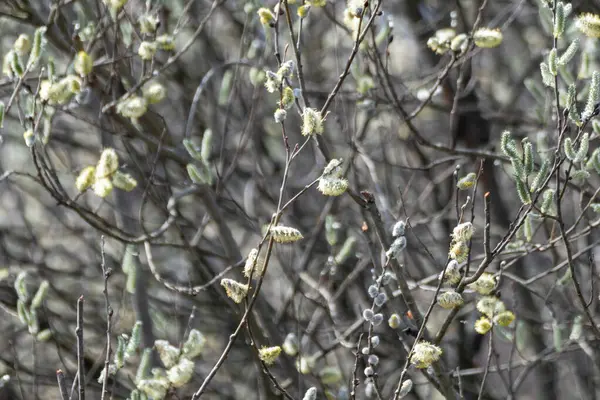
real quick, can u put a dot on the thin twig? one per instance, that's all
(62, 386)
(106, 272)
(487, 363)
(80, 354)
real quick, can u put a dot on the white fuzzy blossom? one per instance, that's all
(424, 354)
(449, 300)
(194, 344)
(251, 262)
(168, 353)
(285, 234)
(181, 373)
(463, 232)
(235, 291)
(452, 274)
(398, 245)
(399, 228)
(332, 186)
(312, 122)
(484, 284)
(311, 394)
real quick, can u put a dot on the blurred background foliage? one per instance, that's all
(54, 233)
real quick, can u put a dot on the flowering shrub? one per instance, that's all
(303, 199)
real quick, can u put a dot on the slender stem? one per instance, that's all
(80, 354)
(62, 385)
(487, 363)
(106, 272)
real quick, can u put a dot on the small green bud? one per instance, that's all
(144, 366)
(568, 149)
(290, 345)
(1, 114)
(523, 192)
(467, 181)
(487, 38)
(569, 53)
(39, 42)
(22, 44)
(552, 62)
(345, 251)
(83, 64)
(40, 295)
(206, 147)
(584, 146)
(330, 375)
(509, 148)
(547, 76)
(593, 96)
(394, 321)
(16, 65)
(120, 352)
(528, 158)
(20, 286)
(22, 312)
(29, 137)
(44, 336)
(547, 201)
(124, 181)
(198, 175)
(559, 20)
(192, 149)
(519, 169)
(134, 340)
